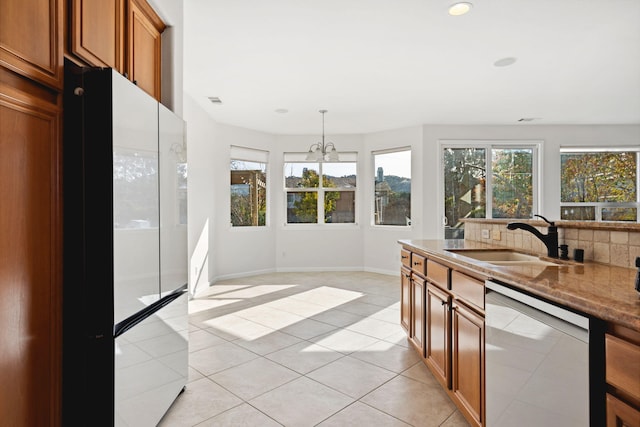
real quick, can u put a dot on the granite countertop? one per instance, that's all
(603, 291)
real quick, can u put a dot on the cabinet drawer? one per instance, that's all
(468, 289)
(418, 263)
(438, 274)
(623, 365)
(405, 258)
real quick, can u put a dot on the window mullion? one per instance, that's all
(488, 191)
(320, 199)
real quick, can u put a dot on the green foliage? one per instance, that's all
(306, 206)
(512, 185)
(398, 184)
(598, 177)
(248, 205)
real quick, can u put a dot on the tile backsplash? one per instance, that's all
(609, 243)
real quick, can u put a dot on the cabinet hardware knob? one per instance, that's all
(404, 257)
(444, 303)
(416, 263)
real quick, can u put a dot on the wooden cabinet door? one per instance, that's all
(31, 39)
(97, 32)
(144, 47)
(405, 298)
(438, 336)
(30, 247)
(417, 330)
(619, 414)
(467, 354)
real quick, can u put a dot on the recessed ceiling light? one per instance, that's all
(281, 111)
(459, 8)
(505, 62)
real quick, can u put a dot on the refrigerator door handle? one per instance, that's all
(128, 323)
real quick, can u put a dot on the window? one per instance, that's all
(248, 191)
(488, 181)
(392, 193)
(311, 200)
(599, 185)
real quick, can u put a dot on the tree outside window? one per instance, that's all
(248, 193)
(466, 169)
(311, 200)
(512, 182)
(599, 185)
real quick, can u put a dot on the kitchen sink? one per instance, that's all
(502, 257)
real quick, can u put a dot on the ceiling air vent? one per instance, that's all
(215, 100)
(528, 119)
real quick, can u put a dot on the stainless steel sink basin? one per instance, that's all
(502, 257)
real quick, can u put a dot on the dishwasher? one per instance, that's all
(537, 361)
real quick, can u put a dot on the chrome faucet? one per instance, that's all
(550, 239)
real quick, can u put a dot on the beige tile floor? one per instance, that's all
(305, 349)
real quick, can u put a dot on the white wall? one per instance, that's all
(241, 250)
(202, 153)
(302, 247)
(172, 14)
(380, 248)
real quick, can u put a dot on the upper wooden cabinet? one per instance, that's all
(125, 35)
(144, 47)
(31, 39)
(97, 32)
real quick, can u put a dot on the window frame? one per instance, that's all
(372, 207)
(321, 190)
(488, 145)
(599, 206)
(253, 155)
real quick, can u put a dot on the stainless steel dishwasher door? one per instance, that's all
(537, 362)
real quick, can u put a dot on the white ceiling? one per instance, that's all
(387, 64)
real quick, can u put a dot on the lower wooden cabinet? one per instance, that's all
(405, 298)
(417, 328)
(467, 354)
(622, 374)
(619, 414)
(446, 326)
(438, 336)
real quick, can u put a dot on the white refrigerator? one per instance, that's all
(125, 327)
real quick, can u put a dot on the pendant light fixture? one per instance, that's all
(319, 151)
